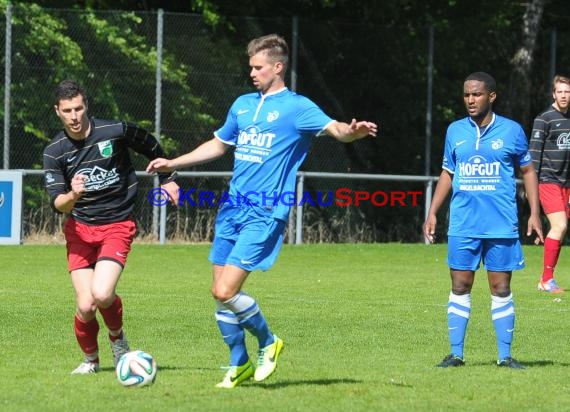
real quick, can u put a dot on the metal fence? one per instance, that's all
(176, 76)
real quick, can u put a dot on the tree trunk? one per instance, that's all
(518, 103)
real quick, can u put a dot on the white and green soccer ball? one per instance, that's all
(136, 368)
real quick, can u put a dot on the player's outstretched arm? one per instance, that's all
(347, 133)
(204, 153)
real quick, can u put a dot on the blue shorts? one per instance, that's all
(246, 236)
(498, 255)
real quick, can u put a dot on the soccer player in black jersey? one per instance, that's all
(550, 150)
(89, 176)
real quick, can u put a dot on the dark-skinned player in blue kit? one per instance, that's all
(482, 154)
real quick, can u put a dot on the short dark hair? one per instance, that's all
(490, 83)
(68, 89)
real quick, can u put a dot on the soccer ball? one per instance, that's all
(136, 368)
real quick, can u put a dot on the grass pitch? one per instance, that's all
(363, 327)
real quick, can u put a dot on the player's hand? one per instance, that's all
(173, 192)
(363, 129)
(535, 225)
(159, 165)
(78, 185)
(429, 228)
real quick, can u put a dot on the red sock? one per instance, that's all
(86, 334)
(551, 253)
(113, 316)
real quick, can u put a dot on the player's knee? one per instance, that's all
(86, 310)
(501, 291)
(222, 293)
(460, 287)
(460, 290)
(218, 294)
(559, 228)
(103, 298)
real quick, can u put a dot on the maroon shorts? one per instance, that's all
(554, 198)
(87, 244)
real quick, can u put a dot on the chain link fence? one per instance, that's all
(348, 68)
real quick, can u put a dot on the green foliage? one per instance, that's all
(35, 196)
(209, 10)
(363, 327)
(52, 39)
(112, 54)
(361, 58)
(46, 37)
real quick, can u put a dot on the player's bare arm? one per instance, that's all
(347, 133)
(441, 191)
(204, 153)
(531, 188)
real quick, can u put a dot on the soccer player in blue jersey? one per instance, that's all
(271, 131)
(481, 155)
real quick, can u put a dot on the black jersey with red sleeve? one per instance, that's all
(549, 146)
(111, 186)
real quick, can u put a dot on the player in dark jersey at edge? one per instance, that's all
(550, 150)
(89, 176)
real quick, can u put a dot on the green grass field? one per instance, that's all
(363, 327)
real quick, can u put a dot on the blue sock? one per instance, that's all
(247, 312)
(503, 315)
(458, 313)
(233, 335)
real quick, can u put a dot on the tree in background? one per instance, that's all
(519, 97)
(376, 47)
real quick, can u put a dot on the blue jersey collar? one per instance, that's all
(272, 93)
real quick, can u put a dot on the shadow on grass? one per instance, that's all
(107, 369)
(160, 368)
(535, 363)
(286, 384)
(540, 363)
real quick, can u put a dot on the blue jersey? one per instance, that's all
(483, 162)
(272, 134)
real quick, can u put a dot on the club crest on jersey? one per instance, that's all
(105, 148)
(271, 116)
(49, 178)
(527, 157)
(497, 144)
